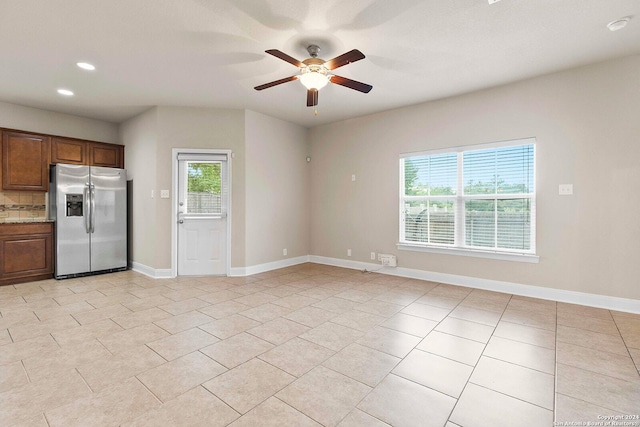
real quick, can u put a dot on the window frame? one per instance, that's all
(459, 200)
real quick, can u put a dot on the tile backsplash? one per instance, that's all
(19, 205)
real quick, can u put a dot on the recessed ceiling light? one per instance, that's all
(86, 66)
(65, 92)
(618, 24)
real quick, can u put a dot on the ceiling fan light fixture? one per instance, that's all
(314, 78)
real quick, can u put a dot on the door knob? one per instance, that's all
(180, 221)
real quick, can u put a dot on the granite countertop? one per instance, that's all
(23, 220)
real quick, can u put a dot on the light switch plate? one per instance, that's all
(565, 189)
(164, 194)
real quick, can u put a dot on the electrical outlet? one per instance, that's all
(353, 177)
(34, 214)
(348, 252)
(565, 189)
(373, 256)
(164, 194)
(284, 252)
(4, 214)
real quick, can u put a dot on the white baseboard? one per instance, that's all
(261, 268)
(561, 295)
(155, 273)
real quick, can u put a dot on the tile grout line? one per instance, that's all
(403, 358)
(478, 361)
(336, 352)
(625, 343)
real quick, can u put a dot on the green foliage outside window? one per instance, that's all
(203, 178)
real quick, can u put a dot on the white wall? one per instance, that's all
(587, 129)
(140, 134)
(270, 180)
(277, 184)
(149, 140)
(51, 123)
(211, 128)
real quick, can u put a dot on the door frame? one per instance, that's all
(174, 199)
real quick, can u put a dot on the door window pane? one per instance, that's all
(204, 192)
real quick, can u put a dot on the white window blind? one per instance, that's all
(478, 197)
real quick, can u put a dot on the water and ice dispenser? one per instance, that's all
(74, 204)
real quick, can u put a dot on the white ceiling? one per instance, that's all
(210, 53)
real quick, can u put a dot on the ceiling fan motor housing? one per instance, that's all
(314, 50)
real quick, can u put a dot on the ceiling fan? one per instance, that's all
(314, 72)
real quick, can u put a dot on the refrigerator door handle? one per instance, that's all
(92, 190)
(87, 208)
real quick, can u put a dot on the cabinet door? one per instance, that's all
(27, 255)
(69, 151)
(26, 252)
(106, 155)
(25, 161)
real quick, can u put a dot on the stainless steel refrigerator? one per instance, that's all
(89, 206)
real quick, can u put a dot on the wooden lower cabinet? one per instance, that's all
(26, 252)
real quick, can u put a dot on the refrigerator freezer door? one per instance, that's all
(108, 218)
(69, 182)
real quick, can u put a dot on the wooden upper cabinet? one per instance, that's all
(25, 161)
(69, 151)
(106, 155)
(80, 152)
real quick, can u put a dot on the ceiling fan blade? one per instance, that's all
(344, 59)
(285, 57)
(351, 84)
(312, 97)
(277, 82)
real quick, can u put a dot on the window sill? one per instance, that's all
(504, 256)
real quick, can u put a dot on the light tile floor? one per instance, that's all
(305, 346)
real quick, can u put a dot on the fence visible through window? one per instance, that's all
(513, 228)
(204, 203)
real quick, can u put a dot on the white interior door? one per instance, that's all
(202, 214)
